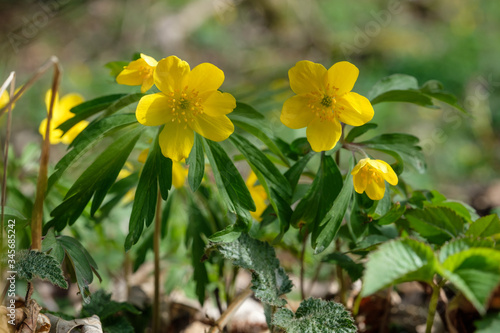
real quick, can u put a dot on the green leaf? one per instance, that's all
(89, 138)
(230, 233)
(397, 210)
(94, 181)
(269, 280)
(157, 171)
(320, 197)
(12, 214)
(257, 158)
(229, 182)
(30, 264)
(475, 272)
(315, 316)
(485, 226)
(359, 130)
(436, 224)
(92, 107)
(262, 136)
(102, 306)
(293, 174)
(245, 112)
(402, 260)
(115, 67)
(404, 88)
(489, 324)
(461, 244)
(354, 270)
(196, 162)
(330, 225)
(402, 145)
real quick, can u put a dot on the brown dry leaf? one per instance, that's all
(5, 327)
(30, 322)
(42, 324)
(88, 325)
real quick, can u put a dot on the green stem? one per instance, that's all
(340, 278)
(156, 250)
(302, 265)
(433, 305)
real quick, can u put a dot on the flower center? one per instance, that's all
(185, 104)
(323, 103)
(145, 71)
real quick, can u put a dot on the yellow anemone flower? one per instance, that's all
(258, 194)
(188, 102)
(369, 176)
(60, 114)
(139, 73)
(324, 100)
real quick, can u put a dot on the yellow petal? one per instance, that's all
(251, 180)
(129, 77)
(48, 96)
(176, 141)
(205, 77)
(323, 135)
(149, 60)
(259, 197)
(55, 134)
(179, 174)
(68, 102)
(375, 188)
(4, 99)
(218, 103)
(386, 171)
(354, 109)
(170, 74)
(216, 128)
(342, 76)
(73, 132)
(295, 113)
(359, 166)
(154, 110)
(360, 181)
(147, 83)
(143, 156)
(307, 76)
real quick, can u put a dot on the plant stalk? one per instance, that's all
(433, 305)
(302, 265)
(231, 309)
(41, 186)
(156, 250)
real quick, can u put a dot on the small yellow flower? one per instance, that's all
(60, 114)
(139, 73)
(369, 176)
(4, 98)
(188, 102)
(179, 174)
(324, 100)
(258, 194)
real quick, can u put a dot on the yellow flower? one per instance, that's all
(369, 176)
(179, 174)
(258, 194)
(139, 73)
(189, 101)
(60, 114)
(324, 100)
(4, 98)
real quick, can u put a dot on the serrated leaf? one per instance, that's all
(461, 244)
(402, 260)
(94, 181)
(355, 270)
(157, 172)
(475, 272)
(315, 316)
(229, 182)
(89, 138)
(196, 162)
(397, 210)
(31, 264)
(485, 226)
(269, 280)
(399, 145)
(359, 130)
(436, 224)
(101, 305)
(330, 225)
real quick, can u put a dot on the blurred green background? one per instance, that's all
(256, 42)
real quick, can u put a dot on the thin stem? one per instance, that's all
(156, 250)
(41, 186)
(12, 81)
(355, 148)
(231, 309)
(302, 265)
(340, 278)
(433, 305)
